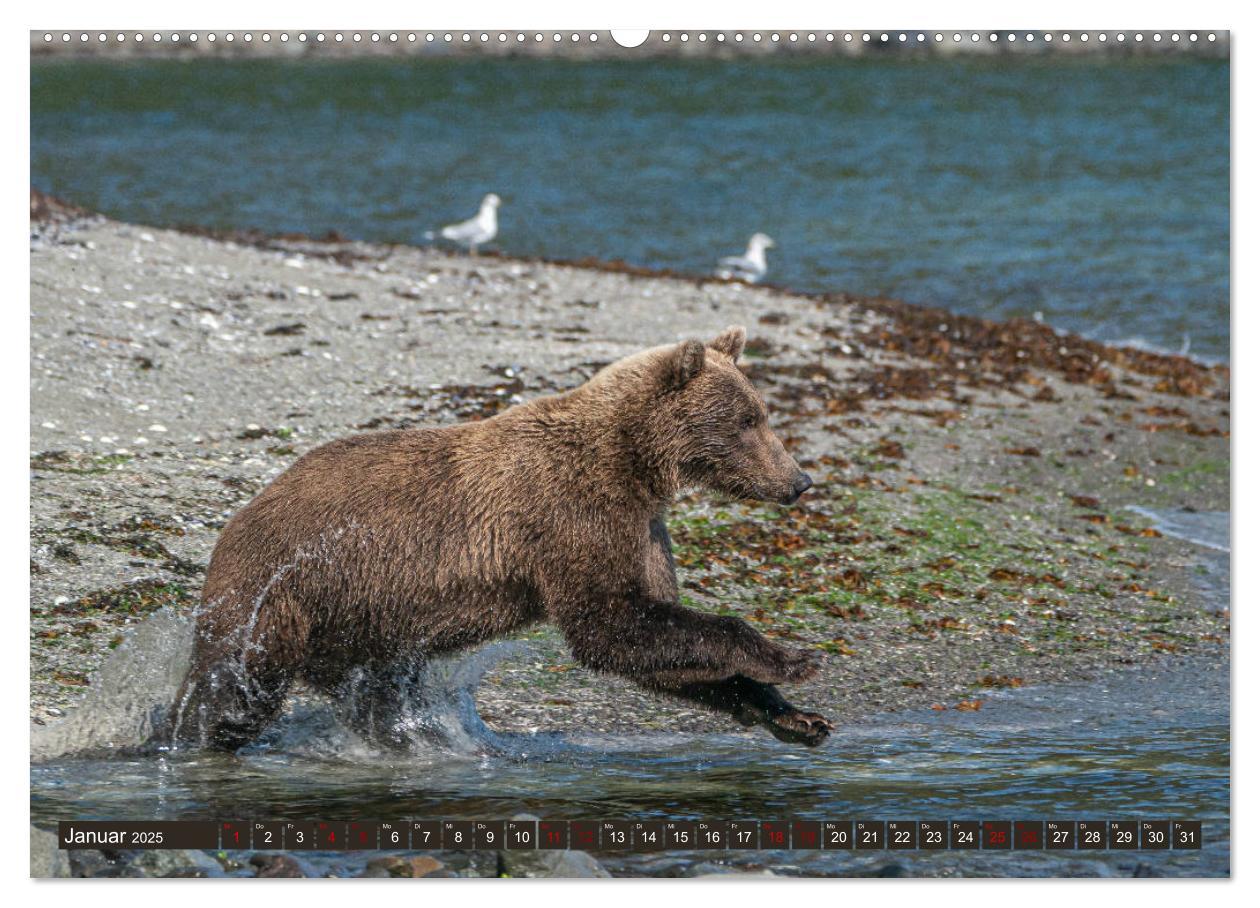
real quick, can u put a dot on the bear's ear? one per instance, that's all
(730, 343)
(684, 363)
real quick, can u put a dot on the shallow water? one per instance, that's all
(1134, 745)
(1208, 532)
(1095, 192)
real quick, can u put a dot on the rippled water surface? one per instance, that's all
(1134, 745)
(1095, 192)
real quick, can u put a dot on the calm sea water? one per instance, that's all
(1094, 192)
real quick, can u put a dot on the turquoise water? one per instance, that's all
(1093, 192)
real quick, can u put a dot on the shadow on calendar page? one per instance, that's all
(588, 454)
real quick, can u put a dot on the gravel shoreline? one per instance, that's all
(969, 530)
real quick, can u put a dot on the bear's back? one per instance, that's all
(381, 532)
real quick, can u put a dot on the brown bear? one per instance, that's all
(374, 552)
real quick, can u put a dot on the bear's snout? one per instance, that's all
(800, 484)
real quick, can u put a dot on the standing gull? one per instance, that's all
(476, 230)
(749, 267)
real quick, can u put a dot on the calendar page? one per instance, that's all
(712, 453)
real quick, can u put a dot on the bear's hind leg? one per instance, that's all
(225, 705)
(239, 678)
(377, 700)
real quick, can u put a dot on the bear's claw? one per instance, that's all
(796, 727)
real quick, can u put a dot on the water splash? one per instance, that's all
(426, 706)
(129, 696)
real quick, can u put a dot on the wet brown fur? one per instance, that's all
(377, 549)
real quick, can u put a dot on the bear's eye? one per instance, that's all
(748, 422)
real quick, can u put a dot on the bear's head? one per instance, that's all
(716, 424)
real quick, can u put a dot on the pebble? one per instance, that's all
(177, 863)
(46, 859)
(276, 866)
(396, 865)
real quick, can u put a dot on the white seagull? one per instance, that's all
(476, 230)
(749, 267)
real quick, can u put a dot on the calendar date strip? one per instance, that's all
(635, 835)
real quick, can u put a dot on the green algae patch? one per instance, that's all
(863, 565)
(143, 597)
(77, 464)
(140, 537)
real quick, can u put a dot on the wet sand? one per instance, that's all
(970, 529)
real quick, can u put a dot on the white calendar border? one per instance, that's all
(571, 14)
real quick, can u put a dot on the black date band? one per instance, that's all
(633, 835)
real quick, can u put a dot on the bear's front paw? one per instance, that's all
(796, 727)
